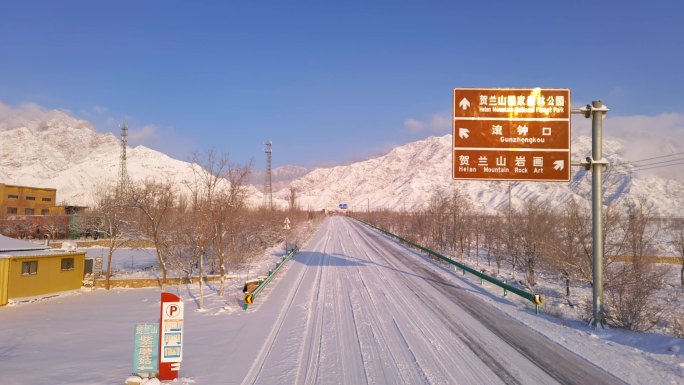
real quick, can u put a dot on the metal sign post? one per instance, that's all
(596, 111)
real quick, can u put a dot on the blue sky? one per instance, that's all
(328, 82)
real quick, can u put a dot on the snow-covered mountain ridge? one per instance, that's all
(407, 176)
(62, 152)
(59, 151)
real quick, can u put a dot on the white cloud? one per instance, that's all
(11, 117)
(643, 137)
(440, 123)
(100, 109)
(146, 134)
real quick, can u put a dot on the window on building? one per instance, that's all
(67, 264)
(13, 196)
(47, 199)
(29, 211)
(11, 210)
(30, 198)
(29, 268)
(45, 212)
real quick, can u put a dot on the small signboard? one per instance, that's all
(343, 206)
(172, 332)
(511, 134)
(146, 351)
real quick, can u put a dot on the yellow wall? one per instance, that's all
(4, 275)
(49, 278)
(22, 203)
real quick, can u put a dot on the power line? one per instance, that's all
(644, 167)
(624, 165)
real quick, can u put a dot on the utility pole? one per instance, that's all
(123, 171)
(596, 111)
(268, 188)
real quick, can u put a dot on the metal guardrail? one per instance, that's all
(534, 298)
(271, 274)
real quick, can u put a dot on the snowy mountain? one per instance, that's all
(59, 151)
(56, 150)
(407, 176)
(281, 177)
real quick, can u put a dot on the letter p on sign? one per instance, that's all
(173, 310)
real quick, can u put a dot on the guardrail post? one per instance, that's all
(537, 302)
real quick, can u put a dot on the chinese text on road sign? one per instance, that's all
(511, 134)
(146, 351)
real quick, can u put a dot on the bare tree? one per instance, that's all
(566, 246)
(534, 225)
(155, 201)
(632, 285)
(204, 189)
(111, 218)
(292, 198)
(230, 204)
(496, 240)
(460, 219)
(678, 240)
(639, 229)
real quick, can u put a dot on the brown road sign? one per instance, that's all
(510, 103)
(506, 164)
(511, 134)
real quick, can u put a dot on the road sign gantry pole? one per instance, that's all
(596, 111)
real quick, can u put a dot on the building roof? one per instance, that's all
(11, 244)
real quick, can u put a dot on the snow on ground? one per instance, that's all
(86, 336)
(636, 358)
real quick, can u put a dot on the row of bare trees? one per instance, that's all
(203, 227)
(556, 239)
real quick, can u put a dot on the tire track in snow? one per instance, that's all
(476, 348)
(416, 321)
(258, 365)
(380, 329)
(556, 361)
(310, 357)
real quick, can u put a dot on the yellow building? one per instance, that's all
(23, 200)
(28, 269)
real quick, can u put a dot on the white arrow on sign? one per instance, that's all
(464, 103)
(463, 133)
(559, 165)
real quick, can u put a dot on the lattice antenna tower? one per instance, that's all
(123, 171)
(268, 187)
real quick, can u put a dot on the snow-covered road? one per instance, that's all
(352, 307)
(361, 309)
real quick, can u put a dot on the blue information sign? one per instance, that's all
(343, 206)
(146, 352)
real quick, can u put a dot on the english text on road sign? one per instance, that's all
(511, 134)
